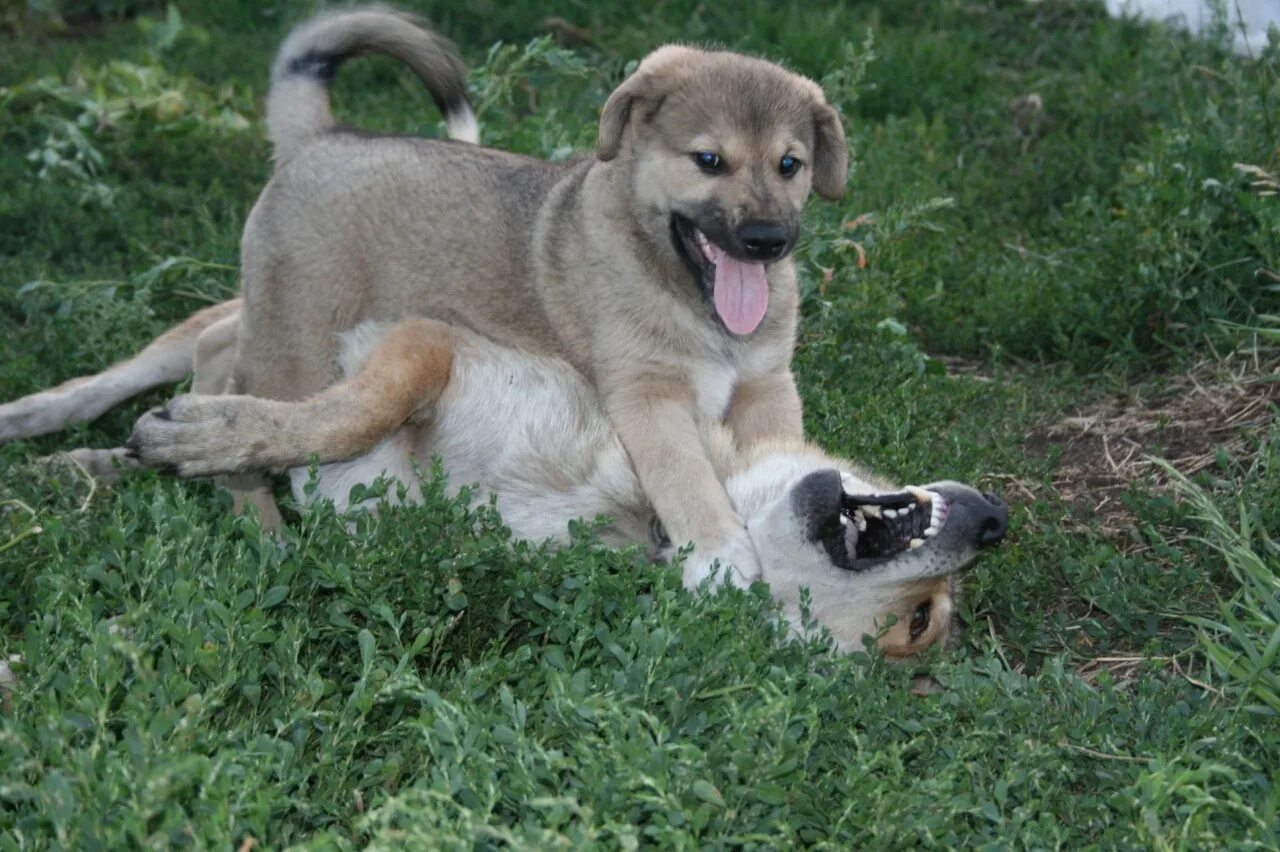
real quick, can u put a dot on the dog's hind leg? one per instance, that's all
(215, 356)
(167, 359)
(215, 366)
(214, 353)
(198, 435)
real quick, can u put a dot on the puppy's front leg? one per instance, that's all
(199, 435)
(766, 407)
(654, 416)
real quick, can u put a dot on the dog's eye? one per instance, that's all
(920, 620)
(788, 166)
(709, 162)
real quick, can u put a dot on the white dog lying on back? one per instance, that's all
(532, 432)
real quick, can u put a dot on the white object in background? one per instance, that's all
(1196, 15)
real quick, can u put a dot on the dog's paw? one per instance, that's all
(734, 563)
(105, 466)
(198, 435)
(33, 415)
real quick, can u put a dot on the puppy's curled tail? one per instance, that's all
(298, 101)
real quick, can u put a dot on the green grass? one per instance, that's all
(428, 681)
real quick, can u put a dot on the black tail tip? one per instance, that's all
(316, 64)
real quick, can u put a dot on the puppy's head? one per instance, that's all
(864, 550)
(722, 151)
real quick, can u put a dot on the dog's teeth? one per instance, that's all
(915, 543)
(891, 513)
(931, 532)
(844, 520)
(870, 511)
(922, 496)
(860, 522)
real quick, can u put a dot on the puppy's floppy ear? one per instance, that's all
(640, 95)
(830, 152)
(614, 117)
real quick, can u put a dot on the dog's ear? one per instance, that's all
(830, 152)
(640, 95)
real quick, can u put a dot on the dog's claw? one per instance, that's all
(191, 436)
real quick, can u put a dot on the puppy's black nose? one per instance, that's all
(993, 520)
(763, 240)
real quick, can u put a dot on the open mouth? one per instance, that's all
(689, 243)
(739, 288)
(878, 527)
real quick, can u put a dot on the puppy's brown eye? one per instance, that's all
(920, 620)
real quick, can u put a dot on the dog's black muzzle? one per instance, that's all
(860, 531)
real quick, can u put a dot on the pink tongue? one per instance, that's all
(741, 292)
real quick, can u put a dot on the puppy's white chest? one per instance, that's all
(712, 386)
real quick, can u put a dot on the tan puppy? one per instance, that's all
(659, 267)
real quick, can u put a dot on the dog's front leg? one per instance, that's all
(766, 407)
(654, 416)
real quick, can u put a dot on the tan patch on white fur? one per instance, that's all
(404, 371)
(399, 372)
(897, 642)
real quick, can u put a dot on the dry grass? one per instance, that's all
(1219, 406)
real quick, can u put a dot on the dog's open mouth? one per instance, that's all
(878, 527)
(739, 288)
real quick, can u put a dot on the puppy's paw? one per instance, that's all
(198, 435)
(735, 561)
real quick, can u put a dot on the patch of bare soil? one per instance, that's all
(1219, 406)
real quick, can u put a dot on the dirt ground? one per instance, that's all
(1220, 406)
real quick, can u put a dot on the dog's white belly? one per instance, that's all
(525, 428)
(392, 458)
